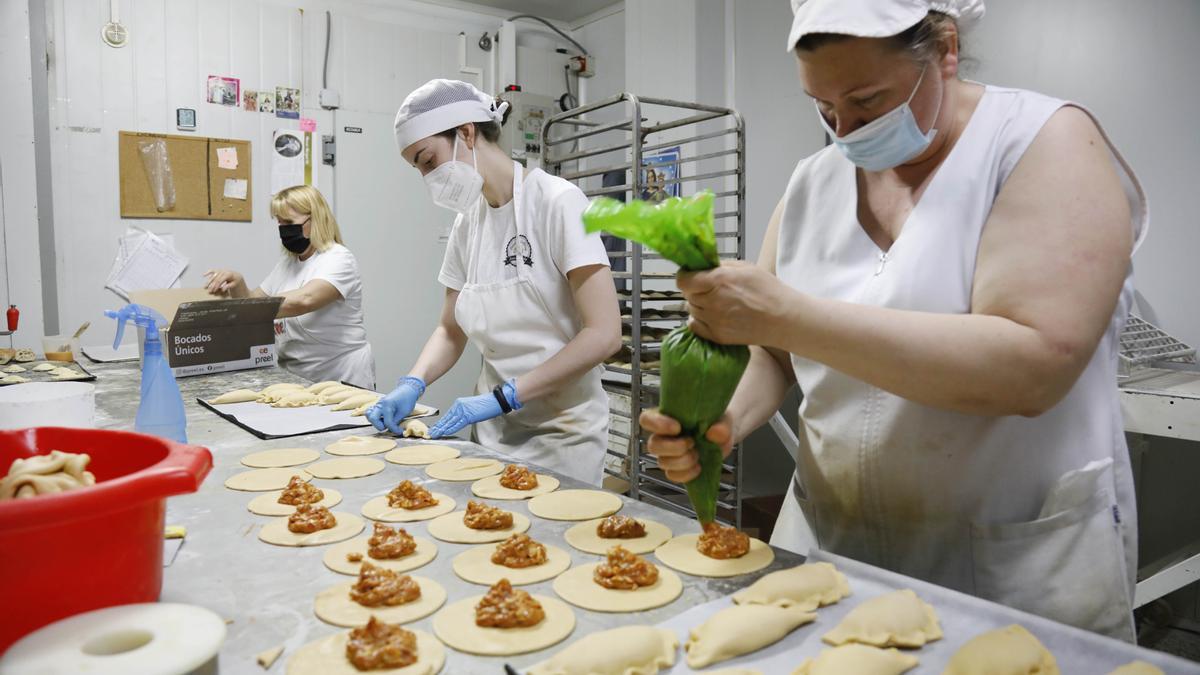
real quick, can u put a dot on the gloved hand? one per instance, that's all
(473, 409)
(393, 408)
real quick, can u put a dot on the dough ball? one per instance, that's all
(235, 396)
(628, 649)
(808, 586)
(741, 629)
(1011, 650)
(896, 619)
(857, 659)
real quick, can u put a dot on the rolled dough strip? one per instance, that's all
(334, 606)
(263, 480)
(235, 396)
(416, 455)
(295, 399)
(276, 532)
(280, 457)
(356, 401)
(318, 387)
(577, 587)
(269, 657)
(583, 537)
(267, 504)
(327, 656)
(378, 509)
(455, 625)
(450, 528)
(475, 565)
(352, 446)
(680, 553)
(575, 505)
(337, 396)
(463, 468)
(490, 488)
(346, 467)
(335, 556)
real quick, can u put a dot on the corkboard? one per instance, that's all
(199, 182)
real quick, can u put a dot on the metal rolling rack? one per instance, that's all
(601, 148)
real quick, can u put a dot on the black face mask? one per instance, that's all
(293, 238)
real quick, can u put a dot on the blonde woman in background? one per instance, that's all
(320, 332)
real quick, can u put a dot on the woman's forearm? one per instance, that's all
(441, 351)
(969, 363)
(587, 350)
(760, 393)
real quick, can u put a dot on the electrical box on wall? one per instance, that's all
(521, 136)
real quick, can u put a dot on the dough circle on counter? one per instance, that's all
(335, 556)
(416, 455)
(280, 457)
(455, 625)
(575, 505)
(378, 509)
(577, 587)
(451, 528)
(327, 656)
(490, 488)
(463, 468)
(334, 606)
(346, 467)
(680, 553)
(263, 480)
(583, 537)
(268, 504)
(475, 565)
(352, 446)
(277, 532)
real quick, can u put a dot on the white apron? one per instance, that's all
(565, 430)
(1035, 513)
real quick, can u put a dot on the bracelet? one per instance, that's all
(498, 392)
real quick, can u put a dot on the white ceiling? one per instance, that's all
(567, 11)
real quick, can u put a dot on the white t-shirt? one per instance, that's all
(330, 343)
(554, 244)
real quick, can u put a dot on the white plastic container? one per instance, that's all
(48, 404)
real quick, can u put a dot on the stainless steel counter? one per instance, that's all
(267, 591)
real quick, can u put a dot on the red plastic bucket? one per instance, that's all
(89, 548)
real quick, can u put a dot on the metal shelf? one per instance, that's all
(712, 155)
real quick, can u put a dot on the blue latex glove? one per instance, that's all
(393, 408)
(472, 409)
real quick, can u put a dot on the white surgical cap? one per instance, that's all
(439, 105)
(874, 18)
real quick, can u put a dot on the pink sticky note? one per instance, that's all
(308, 124)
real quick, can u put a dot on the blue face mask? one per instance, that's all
(887, 141)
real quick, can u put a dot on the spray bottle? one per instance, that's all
(160, 411)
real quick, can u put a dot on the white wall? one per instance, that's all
(379, 52)
(1134, 66)
(20, 266)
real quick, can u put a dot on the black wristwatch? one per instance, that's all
(498, 392)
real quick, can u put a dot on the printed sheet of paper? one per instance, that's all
(235, 188)
(144, 261)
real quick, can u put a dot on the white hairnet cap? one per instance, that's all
(439, 105)
(874, 18)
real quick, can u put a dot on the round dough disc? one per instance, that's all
(276, 532)
(681, 554)
(327, 656)
(577, 587)
(464, 468)
(333, 605)
(268, 504)
(351, 446)
(475, 565)
(335, 556)
(416, 455)
(455, 625)
(583, 537)
(378, 509)
(450, 528)
(575, 505)
(280, 457)
(263, 480)
(346, 467)
(490, 488)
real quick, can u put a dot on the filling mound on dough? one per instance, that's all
(380, 646)
(379, 586)
(46, 474)
(620, 527)
(624, 571)
(518, 478)
(298, 492)
(519, 551)
(721, 543)
(410, 496)
(354, 557)
(506, 607)
(388, 544)
(308, 519)
(480, 516)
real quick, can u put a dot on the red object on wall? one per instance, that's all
(91, 547)
(14, 315)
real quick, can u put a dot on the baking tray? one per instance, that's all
(962, 617)
(45, 377)
(267, 423)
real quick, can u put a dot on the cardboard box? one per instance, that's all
(208, 335)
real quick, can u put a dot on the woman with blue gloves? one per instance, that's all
(524, 284)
